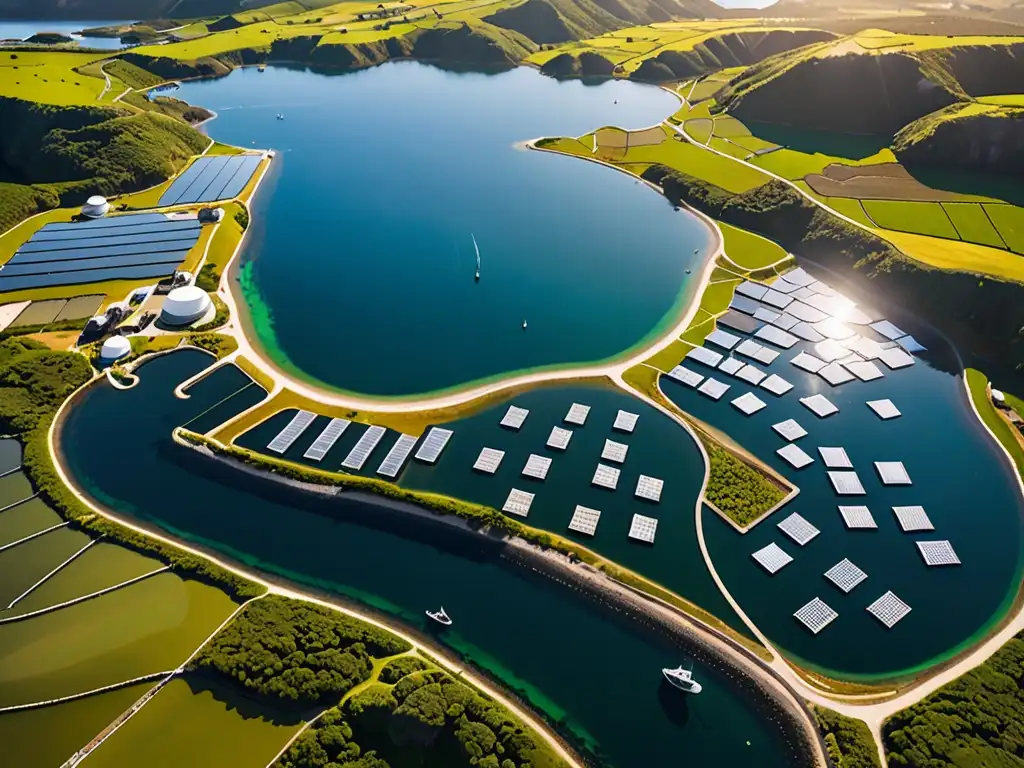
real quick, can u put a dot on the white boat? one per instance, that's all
(682, 679)
(477, 247)
(440, 617)
(280, 116)
(524, 325)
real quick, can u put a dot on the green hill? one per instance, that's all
(965, 136)
(556, 21)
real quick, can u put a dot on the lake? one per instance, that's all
(359, 269)
(20, 30)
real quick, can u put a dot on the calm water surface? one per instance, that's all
(598, 676)
(21, 30)
(361, 261)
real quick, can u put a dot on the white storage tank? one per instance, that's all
(115, 348)
(185, 305)
(96, 207)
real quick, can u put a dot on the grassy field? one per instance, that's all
(748, 250)
(50, 77)
(977, 384)
(923, 218)
(973, 224)
(27, 563)
(1009, 220)
(14, 487)
(1006, 100)
(25, 519)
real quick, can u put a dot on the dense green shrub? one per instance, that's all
(328, 743)
(848, 741)
(398, 668)
(34, 380)
(219, 318)
(737, 489)
(19, 201)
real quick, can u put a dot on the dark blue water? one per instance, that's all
(20, 30)
(362, 258)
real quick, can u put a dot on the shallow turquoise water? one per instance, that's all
(24, 29)
(362, 256)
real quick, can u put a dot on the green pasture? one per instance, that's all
(131, 75)
(669, 357)
(848, 206)
(906, 216)
(49, 77)
(750, 251)
(25, 519)
(730, 127)
(729, 148)
(699, 128)
(1006, 100)
(1009, 220)
(24, 565)
(973, 224)
(977, 384)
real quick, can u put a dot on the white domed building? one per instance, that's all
(115, 348)
(96, 207)
(185, 305)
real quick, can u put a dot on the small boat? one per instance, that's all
(441, 617)
(524, 325)
(280, 116)
(682, 679)
(477, 248)
(688, 271)
(262, 68)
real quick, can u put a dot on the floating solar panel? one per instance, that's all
(816, 615)
(938, 553)
(830, 350)
(219, 177)
(614, 451)
(748, 403)
(396, 457)
(765, 314)
(643, 528)
(713, 388)
(799, 276)
(772, 558)
(731, 366)
(806, 332)
(684, 375)
(895, 358)
(795, 455)
(514, 417)
(577, 414)
(857, 317)
(884, 408)
(766, 356)
(723, 339)
(704, 355)
(295, 427)
(437, 438)
(537, 467)
(819, 287)
(805, 312)
(777, 336)
(790, 429)
(559, 438)
(820, 405)
(845, 575)
(776, 299)
(489, 460)
(584, 520)
(835, 374)
(744, 304)
(910, 344)
(748, 348)
(888, 609)
(857, 517)
(835, 458)
(363, 448)
(738, 321)
(326, 439)
(807, 362)
(751, 374)
(518, 503)
(834, 329)
(776, 385)
(846, 483)
(606, 477)
(649, 488)
(853, 357)
(832, 305)
(782, 285)
(625, 421)
(798, 529)
(863, 346)
(888, 330)
(753, 290)
(864, 370)
(913, 518)
(892, 472)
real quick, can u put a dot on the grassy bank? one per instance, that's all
(977, 385)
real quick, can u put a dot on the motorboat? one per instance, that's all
(280, 116)
(441, 617)
(477, 248)
(524, 325)
(682, 679)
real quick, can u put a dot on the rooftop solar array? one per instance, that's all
(649, 488)
(820, 405)
(798, 528)
(295, 427)
(845, 575)
(807, 362)
(713, 388)
(816, 615)
(132, 246)
(326, 439)
(776, 385)
(584, 520)
(887, 329)
(537, 467)
(221, 177)
(888, 609)
(777, 336)
(606, 477)
(643, 528)
(748, 403)
(614, 451)
(913, 518)
(731, 366)
(518, 503)
(938, 553)
(685, 376)
(846, 483)
(835, 374)
(705, 355)
(835, 458)
(738, 321)
(795, 455)
(751, 374)
(625, 421)
(895, 358)
(396, 457)
(577, 414)
(489, 460)
(723, 339)
(363, 448)
(514, 417)
(865, 370)
(884, 408)
(772, 558)
(790, 429)
(892, 472)
(437, 438)
(559, 438)
(857, 517)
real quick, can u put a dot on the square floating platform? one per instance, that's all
(816, 615)
(489, 460)
(766, 356)
(799, 276)
(884, 408)
(835, 458)
(938, 553)
(776, 299)
(518, 503)
(864, 370)
(748, 348)
(835, 374)
(766, 315)
(846, 483)
(820, 405)
(606, 477)
(830, 350)
(751, 374)
(584, 520)
(649, 488)
(895, 358)
(892, 472)
(626, 421)
(806, 312)
(887, 329)
(537, 467)
(713, 388)
(738, 321)
(806, 332)
(772, 558)
(722, 339)
(559, 438)
(731, 366)
(798, 529)
(795, 455)
(845, 575)
(751, 289)
(888, 609)
(858, 518)
(776, 385)
(744, 304)
(913, 518)
(684, 375)
(514, 417)
(785, 321)
(614, 451)
(577, 414)
(704, 355)
(910, 344)
(807, 362)
(643, 528)
(437, 438)
(777, 336)
(782, 285)
(749, 403)
(790, 429)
